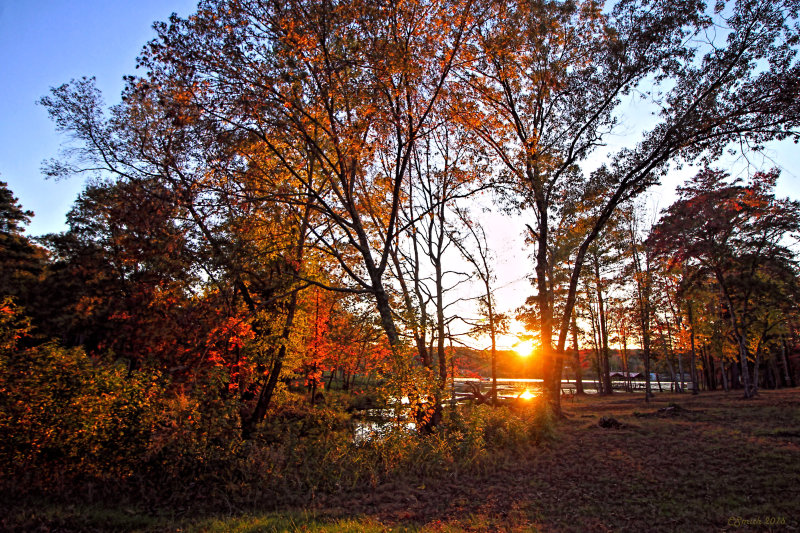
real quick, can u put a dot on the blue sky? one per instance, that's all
(44, 43)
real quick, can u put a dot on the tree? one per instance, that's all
(235, 241)
(351, 86)
(313, 112)
(641, 267)
(551, 75)
(441, 173)
(480, 259)
(21, 261)
(734, 232)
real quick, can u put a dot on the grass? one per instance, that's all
(718, 463)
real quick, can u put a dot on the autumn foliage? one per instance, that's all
(282, 227)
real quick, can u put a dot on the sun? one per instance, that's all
(524, 348)
(526, 395)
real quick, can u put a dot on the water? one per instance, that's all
(376, 423)
(512, 387)
(369, 429)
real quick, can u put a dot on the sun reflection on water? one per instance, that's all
(526, 395)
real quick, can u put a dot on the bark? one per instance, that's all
(385, 312)
(577, 363)
(692, 360)
(440, 327)
(452, 369)
(671, 370)
(773, 371)
(786, 373)
(756, 368)
(268, 389)
(724, 375)
(711, 369)
(739, 335)
(603, 330)
(643, 300)
(493, 333)
(552, 391)
(418, 330)
(596, 349)
(625, 367)
(670, 355)
(703, 379)
(735, 377)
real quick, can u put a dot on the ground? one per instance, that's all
(716, 462)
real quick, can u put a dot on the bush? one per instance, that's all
(69, 421)
(64, 414)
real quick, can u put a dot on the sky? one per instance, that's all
(45, 43)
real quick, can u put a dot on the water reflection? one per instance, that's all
(367, 430)
(377, 423)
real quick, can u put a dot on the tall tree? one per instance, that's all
(233, 237)
(479, 257)
(550, 77)
(21, 261)
(733, 231)
(641, 267)
(351, 84)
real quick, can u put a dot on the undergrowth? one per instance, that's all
(192, 456)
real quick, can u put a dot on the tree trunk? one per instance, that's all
(741, 337)
(452, 369)
(577, 357)
(786, 373)
(604, 358)
(268, 389)
(625, 366)
(724, 373)
(596, 349)
(493, 335)
(692, 359)
(707, 370)
(669, 356)
(643, 299)
(773, 371)
(735, 378)
(440, 329)
(385, 312)
(552, 391)
(711, 369)
(671, 370)
(756, 369)
(418, 330)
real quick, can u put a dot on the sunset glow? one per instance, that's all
(524, 348)
(526, 395)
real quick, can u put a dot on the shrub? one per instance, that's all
(63, 413)
(68, 419)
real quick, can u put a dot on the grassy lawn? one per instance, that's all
(715, 463)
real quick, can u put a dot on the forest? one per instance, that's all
(281, 264)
